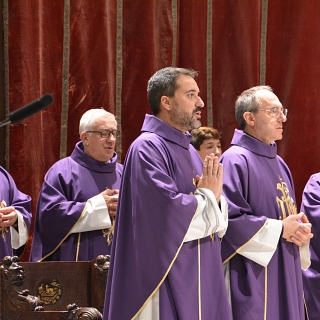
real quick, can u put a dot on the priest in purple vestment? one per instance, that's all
(266, 236)
(165, 256)
(79, 196)
(311, 277)
(15, 216)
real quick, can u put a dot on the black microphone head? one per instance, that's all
(31, 108)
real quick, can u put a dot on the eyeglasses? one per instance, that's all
(104, 133)
(275, 112)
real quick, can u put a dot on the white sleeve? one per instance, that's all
(305, 256)
(262, 246)
(96, 216)
(226, 271)
(18, 239)
(209, 218)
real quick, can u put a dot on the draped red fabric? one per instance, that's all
(92, 54)
(235, 59)
(92, 65)
(35, 52)
(293, 72)
(192, 44)
(146, 47)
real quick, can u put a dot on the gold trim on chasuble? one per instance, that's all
(265, 292)
(168, 270)
(225, 261)
(305, 308)
(285, 203)
(285, 200)
(78, 244)
(199, 278)
(3, 230)
(108, 232)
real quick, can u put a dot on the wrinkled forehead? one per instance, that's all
(105, 122)
(267, 99)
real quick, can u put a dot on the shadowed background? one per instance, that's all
(101, 53)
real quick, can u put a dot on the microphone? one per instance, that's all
(28, 110)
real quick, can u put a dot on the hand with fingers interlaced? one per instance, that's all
(8, 216)
(111, 198)
(212, 176)
(297, 229)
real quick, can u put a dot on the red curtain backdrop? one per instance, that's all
(92, 54)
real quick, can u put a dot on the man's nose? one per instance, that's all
(283, 118)
(200, 103)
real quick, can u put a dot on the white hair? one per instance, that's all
(88, 119)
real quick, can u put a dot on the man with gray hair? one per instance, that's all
(78, 199)
(262, 246)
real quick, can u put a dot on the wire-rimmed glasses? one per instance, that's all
(275, 112)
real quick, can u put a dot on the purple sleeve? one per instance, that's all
(58, 208)
(244, 222)
(18, 200)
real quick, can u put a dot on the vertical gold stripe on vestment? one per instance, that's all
(78, 246)
(199, 278)
(306, 308)
(265, 292)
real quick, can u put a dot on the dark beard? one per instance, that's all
(183, 120)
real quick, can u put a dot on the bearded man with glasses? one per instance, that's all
(78, 200)
(266, 235)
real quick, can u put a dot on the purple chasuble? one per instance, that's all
(258, 185)
(311, 277)
(13, 198)
(67, 186)
(156, 207)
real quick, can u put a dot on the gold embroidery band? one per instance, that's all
(4, 230)
(67, 235)
(166, 273)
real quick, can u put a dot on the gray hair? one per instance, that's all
(89, 118)
(164, 83)
(247, 102)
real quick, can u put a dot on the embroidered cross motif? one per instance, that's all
(286, 202)
(3, 229)
(108, 233)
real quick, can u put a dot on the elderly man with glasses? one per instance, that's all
(78, 199)
(266, 235)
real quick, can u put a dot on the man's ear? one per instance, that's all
(249, 118)
(84, 138)
(166, 103)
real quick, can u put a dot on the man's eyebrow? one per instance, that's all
(192, 90)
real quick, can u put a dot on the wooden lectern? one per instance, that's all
(52, 290)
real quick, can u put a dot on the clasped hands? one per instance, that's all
(8, 216)
(211, 176)
(111, 198)
(297, 229)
